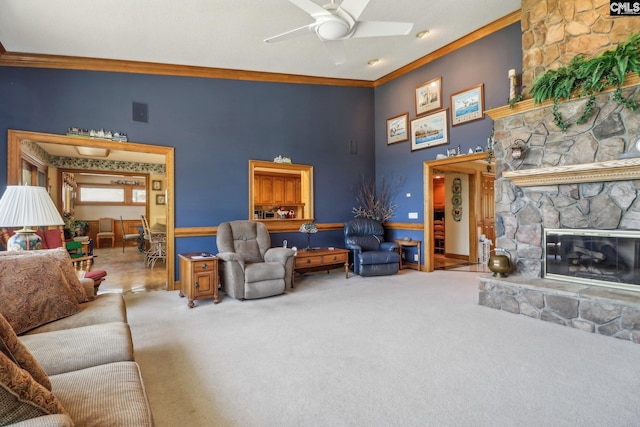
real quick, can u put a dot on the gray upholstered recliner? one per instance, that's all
(369, 254)
(250, 267)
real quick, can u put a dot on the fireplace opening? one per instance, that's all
(598, 257)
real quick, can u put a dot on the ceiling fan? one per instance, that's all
(335, 23)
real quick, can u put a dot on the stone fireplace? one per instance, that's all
(585, 179)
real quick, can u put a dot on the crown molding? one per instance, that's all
(37, 60)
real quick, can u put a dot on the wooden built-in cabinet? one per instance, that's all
(278, 190)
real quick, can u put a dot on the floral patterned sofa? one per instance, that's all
(66, 355)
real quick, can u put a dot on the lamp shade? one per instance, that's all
(23, 206)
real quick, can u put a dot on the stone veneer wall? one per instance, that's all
(523, 212)
(594, 309)
(554, 31)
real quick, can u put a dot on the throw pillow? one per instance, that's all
(15, 350)
(22, 397)
(64, 261)
(33, 292)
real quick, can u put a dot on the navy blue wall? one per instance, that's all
(216, 126)
(487, 61)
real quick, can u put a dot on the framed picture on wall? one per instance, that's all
(429, 96)
(397, 128)
(156, 185)
(467, 105)
(429, 130)
(160, 200)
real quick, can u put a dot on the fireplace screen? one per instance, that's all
(597, 257)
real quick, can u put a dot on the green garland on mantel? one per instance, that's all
(589, 76)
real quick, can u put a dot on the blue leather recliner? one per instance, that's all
(369, 254)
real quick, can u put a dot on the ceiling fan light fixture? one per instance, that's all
(333, 29)
(422, 34)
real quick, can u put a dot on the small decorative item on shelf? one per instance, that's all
(309, 228)
(97, 134)
(281, 159)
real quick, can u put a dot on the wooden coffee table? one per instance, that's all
(321, 259)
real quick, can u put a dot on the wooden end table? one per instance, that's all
(409, 243)
(199, 277)
(321, 259)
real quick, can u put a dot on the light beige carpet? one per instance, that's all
(408, 350)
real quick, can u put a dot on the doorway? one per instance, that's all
(14, 173)
(474, 168)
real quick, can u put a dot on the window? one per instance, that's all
(139, 195)
(99, 194)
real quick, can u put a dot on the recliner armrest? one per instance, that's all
(352, 247)
(230, 257)
(388, 246)
(280, 255)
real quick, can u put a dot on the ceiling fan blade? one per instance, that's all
(311, 8)
(289, 34)
(378, 29)
(354, 7)
(336, 50)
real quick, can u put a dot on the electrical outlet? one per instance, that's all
(415, 257)
(413, 215)
(402, 255)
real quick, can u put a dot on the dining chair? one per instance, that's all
(127, 236)
(157, 244)
(105, 231)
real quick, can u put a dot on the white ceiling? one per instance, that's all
(229, 34)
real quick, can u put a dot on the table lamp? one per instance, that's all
(27, 206)
(308, 228)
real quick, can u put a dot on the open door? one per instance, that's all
(474, 165)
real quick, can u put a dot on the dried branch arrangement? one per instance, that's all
(376, 202)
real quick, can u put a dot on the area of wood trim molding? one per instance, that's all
(527, 105)
(612, 170)
(34, 60)
(488, 29)
(410, 226)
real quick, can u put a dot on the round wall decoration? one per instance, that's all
(456, 199)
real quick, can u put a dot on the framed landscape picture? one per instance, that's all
(467, 105)
(397, 128)
(429, 96)
(429, 130)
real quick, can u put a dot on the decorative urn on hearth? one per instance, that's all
(499, 263)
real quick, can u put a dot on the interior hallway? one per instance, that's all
(127, 272)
